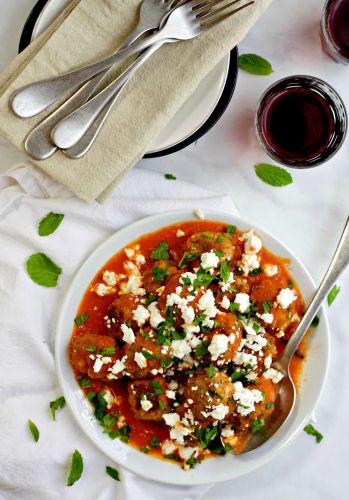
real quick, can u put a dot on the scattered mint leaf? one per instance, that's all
(170, 177)
(159, 274)
(273, 175)
(224, 272)
(310, 429)
(333, 294)
(81, 319)
(42, 270)
(113, 473)
(211, 371)
(34, 430)
(49, 224)
(315, 322)
(257, 65)
(148, 355)
(157, 387)
(56, 405)
(77, 466)
(161, 252)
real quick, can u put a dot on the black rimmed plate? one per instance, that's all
(198, 114)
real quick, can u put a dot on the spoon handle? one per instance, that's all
(337, 266)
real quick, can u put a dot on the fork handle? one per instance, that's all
(338, 264)
(38, 143)
(71, 129)
(34, 98)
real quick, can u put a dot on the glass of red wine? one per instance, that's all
(301, 121)
(335, 30)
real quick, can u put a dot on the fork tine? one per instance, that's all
(212, 20)
(209, 5)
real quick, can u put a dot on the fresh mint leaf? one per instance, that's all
(161, 252)
(159, 274)
(49, 224)
(273, 175)
(81, 319)
(170, 177)
(42, 270)
(333, 294)
(113, 473)
(310, 429)
(255, 64)
(76, 469)
(224, 272)
(56, 405)
(34, 430)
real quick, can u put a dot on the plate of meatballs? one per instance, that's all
(166, 339)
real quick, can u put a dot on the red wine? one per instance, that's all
(301, 121)
(338, 25)
(297, 123)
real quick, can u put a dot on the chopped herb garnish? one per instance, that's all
(144, 450)
(154, 442)
(57, 405)
(34, 430)
(267, 305)
(91, 348)
(159, 274)
(257, 425)
(113, 473)
(108, 422)
(207, 234)
(107, 351)
(220, 239)
(161, 252)
(207, 435)
(170, 177)
(84, 382)
(81, 319)
(157, 387)
(269, 405)
(256, 271)
(150, 299)
(224, 272)
(211, 371)
(231, 229)
(315, 322)
(161, 405)
(76, 469)
(310, 429)
(333, 294)
(290, 284)
(172, 456)
(187, 257)
(234, 306)
(148, 355)
(237, 375)
(228, 448)
(202, 349)
(91, 395)
(219, 253)
(203, 278)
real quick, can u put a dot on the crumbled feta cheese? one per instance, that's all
(285, 297)
(209, 260)
(180, 348)
(146, 404)
(134, 282)
(188, 314)
(155, 315)
(188, 452)
(108, 397)
(140, 360)
(171, 394)
(253, 244)
(141, 315)
(218, 346)
(129, 253)
(173, 385)
(225, 303)
(268, 318)
(171, 418)
(251, 376)
(129, 336)
(268, 361)
(220, 412)
(270, 270)
(246, 398)
(242, 358)
(274, 375)
(249, 262)
(225, 285)
(227, 432)
(280, 334)
(117, 368)
(199, 214)
(180, 233)
(188, 275)
(168, 447)
(178, 433)
(100, 361)
(232, 338)
(207, 305)
(140, 259)
(109, 277)
(102, 290)
(243, 299)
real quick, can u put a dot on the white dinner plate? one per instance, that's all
(215, 469)
(198, 114)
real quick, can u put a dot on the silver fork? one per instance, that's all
(194, 18)
(38, 143)
(36, 97)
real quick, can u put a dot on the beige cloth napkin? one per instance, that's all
(91, 29)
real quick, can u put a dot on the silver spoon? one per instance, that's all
(286, 397)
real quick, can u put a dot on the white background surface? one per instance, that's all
(308, 216)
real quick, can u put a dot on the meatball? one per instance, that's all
(121, 310)
(155, 276)
(84, 351)
(282, 318)
(228, 325)
(146, 352)
(200, 243)
(147, 398)
(207, 392)
(172, 283)
(268, 289)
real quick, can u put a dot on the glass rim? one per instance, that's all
(299, 165)
(335, 53)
